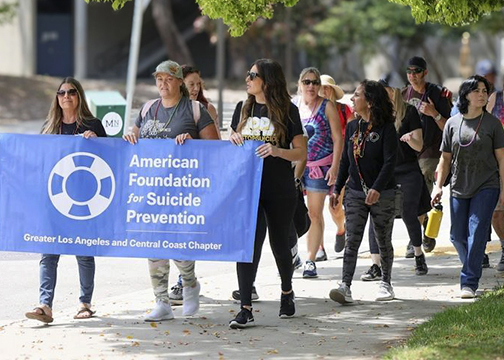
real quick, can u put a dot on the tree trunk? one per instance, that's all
(172, 39)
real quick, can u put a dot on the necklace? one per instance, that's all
(75, 130)
(169, 119)
(359, 143)
(475, 133)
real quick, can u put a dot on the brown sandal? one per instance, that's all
(34, 315)
(86, 312)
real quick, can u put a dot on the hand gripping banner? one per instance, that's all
(106, 197)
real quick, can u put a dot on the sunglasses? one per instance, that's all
(308, 82)
(414, 71)
(252, 75)
(71, 92)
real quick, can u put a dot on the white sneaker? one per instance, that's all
(162, 311)
(342, 294)
(467, 293)
(385, 292)
(191, 300)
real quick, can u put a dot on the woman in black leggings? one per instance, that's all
(268, 115)
(408, 174)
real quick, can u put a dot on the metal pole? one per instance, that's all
(80, 46)
(136, 32)
(220, 69)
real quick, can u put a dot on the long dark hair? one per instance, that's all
(381, 108)
(468, 86)
(188, 70)
(55, 116)
(278, 100)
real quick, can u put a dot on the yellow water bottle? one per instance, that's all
(434, 223)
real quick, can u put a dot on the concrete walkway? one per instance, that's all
(321, 329)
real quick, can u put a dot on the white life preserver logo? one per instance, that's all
(81, 186)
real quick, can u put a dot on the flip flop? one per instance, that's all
(87, 314)
(34, 315)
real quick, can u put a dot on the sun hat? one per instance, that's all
(169, 67)
(327, 80)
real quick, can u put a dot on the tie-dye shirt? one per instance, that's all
(320, 144)
(498, 109)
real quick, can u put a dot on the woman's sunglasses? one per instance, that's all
(308, 82)
(414, 71)
(71, 92)
(252, 75)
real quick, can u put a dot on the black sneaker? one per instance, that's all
(428, 244)
(236, 294)
(500, 265)
(486, 262)
(410, 251)
(420, 265)
(243, 320)
(287, 305)
(339, 245)
(373, 274)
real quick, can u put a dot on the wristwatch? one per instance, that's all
(297, 181)
(438, 117)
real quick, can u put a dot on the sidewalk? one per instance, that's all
(322, 329)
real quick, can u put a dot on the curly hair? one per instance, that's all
(278, 100)
(468, 86)
(380, 107)
(55, 116)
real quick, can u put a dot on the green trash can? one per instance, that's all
(110, 108)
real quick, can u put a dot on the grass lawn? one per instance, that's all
(471, 331)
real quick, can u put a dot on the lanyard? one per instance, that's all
(359, 145)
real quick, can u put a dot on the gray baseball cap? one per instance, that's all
(169, 67)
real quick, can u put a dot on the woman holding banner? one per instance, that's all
(173, 116)
(268, 115)
(68, 115)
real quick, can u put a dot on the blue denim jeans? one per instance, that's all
(470, 221)
(48, 275)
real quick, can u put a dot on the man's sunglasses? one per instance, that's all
(308, 82)
(252, 75)
(414, 71)
(71, 92)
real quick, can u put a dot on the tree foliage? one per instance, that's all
(451, 12)
(240, 14)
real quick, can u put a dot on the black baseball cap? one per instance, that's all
(418, 62)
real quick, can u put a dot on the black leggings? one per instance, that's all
(275, 215)
(410, 182)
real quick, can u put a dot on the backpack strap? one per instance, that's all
(147, 107)
(196, 111)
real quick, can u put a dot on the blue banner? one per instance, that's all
(106, 197)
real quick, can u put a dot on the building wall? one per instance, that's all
(17, 41)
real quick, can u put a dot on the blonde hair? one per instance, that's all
(54, 119)
(305, 71)
(399, 107)
(332, 96)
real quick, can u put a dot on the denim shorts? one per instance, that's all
(315, 185)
